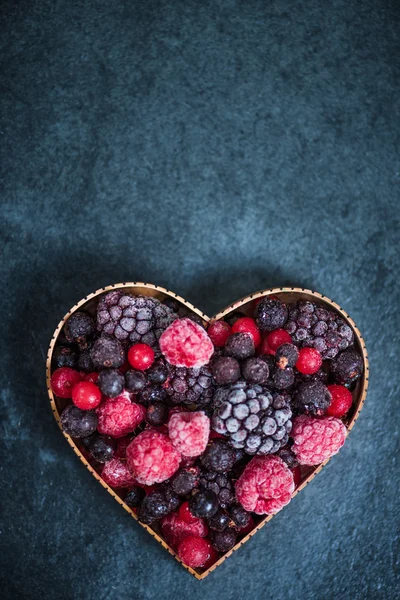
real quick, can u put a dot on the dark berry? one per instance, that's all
(185, 481)
(223, 541)
(255, 370)
(190, 385)
(240, 345)
(111, 382)
(218, 456)
(233, 317)
(347, 367)
(172, 498)
(219, 521)
(288, 457)
(157, 414)
(283, 378)
(225, 369)
(78, 423)
(196, 319)
(103, 448)
(85, 362)
(154, 506)
(219, 483)
(65, 356)
(135, 381)
(270, 314)
(286, 356)
(107, 352)
(239, 515)
(152, 394)
(135, 497)
(203, 504)
(312, 398)
(172, 304)
(157, 373)
(80, 328)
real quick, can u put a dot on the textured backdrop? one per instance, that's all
(214, 148)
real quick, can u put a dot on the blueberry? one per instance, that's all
(203, 504)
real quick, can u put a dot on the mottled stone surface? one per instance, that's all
(215, 148)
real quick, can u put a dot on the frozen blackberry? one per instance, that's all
(347, 367)
(283, 378)
(158, 373)
(286, 356)
(78, 423)
(102, 448)
(270, 314)
(135, 497)
(220, 484)
(255, 370)
(233, 317)
(173, 501)
(135, 381)
(153, 507)
(253, 418)
(240, 345)
(190, 385)
(320, 375)
(133, 318)
(65, 356)
(239, 515)
(203, 504)
(225, 369)
(80, 328)
(185, 480)
(85, 362)
(218, 456)
(219, 521)
(111, 382)
(312, 398)
(107, 352)
(157, 414)
(288, 457)
(223, 541)
(151, 395)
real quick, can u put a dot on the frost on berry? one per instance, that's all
(119, 416)
(116, 474)
(189, 432)
(316, 440)
(175, 529)
(186, 344)
(152, 458)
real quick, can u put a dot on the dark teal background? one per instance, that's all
(214, 148)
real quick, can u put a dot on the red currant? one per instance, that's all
(92, 377)
(140, 356)
(309, 361)
(86, 395)
(278, 337)
(63, 380)
(342, 400)
(247, 325)
(218, 332)
(185, 514)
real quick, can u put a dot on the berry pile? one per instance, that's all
(199, 430)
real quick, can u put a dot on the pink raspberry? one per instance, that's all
(152, 458)
(316, 440)
(186, 344)
(189, 432)
(265, 486)
(119, 416)
(195, 551)
(174, 529)
(116, 474)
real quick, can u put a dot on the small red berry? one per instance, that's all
(309, 361)
(342, 400)
(264, 348)
(247, 325)
(194, 551)
(63, 380)
(185, 514)
(86, 395)
(218, 332)
(140, 356)
(296, 476)
(276, 338)
(214, 556)
(93, 377)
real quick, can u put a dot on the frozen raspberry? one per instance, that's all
(265, 485)
(116, 474)
(119, 416)
(316, 440)
(86, 395)
(219, 331)
(309, 361)
(194, 551)
(174, 529)
(63, 380)
(247, 325)
(341, 401)
(276, 338)
(140, 356)
(152, 458)
(186, 344)
(189, 432)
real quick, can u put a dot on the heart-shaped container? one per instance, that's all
(245, 305)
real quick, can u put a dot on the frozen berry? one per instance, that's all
(247, 325)
(255, 370)
(107, 352)
(135, 381)
(111, 382)
(80, 328)
(203, 504)
(347, 367)
(341, 402)
(116, 474)
(85, 362)
(185, 480)
(297, 476)
(153, 507)
(219, 521)
(174, 529)
(265, 486)
(102, 448)
(152, 394)
(186, 344)
(223, 541)
(140, 356)
(286, 356)
(86, 395)
(78, 423)
(135, 497)
(171, 303)
(225, 369)
(270, 314)
(219, 331)
(189, 432)
(119, 416)
(185, 514)
(65, 356)
(288, 457)
(157, 373)
(283, 378)
(157, 414)
(63, 380)
(239, 515)
(92, 377)
(194, 551)
(316, 440)
(218, 456)
(311, 397)
(152, 457)
(309, 361)
(276, 338)
(240, 345)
